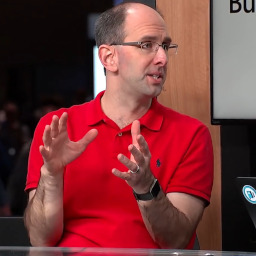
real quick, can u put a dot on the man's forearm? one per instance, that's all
(169, 227)
(44, 213)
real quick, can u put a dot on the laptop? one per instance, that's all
(247, 190)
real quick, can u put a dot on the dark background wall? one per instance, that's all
(45, 43)
(46, 62)
(45, 30)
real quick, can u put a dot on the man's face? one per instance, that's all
(143, 72)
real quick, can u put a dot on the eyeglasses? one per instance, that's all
(150, 46)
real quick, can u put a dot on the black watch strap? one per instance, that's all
(153, 192)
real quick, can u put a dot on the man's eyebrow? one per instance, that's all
(168, 39)
(154, 38)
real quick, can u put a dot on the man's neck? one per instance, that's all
(124, 110)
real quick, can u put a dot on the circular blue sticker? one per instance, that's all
(249, 193)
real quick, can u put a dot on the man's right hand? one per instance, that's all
(58, 150)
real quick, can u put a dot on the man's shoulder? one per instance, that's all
(72, 111)
(172, 116)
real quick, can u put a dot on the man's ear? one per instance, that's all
(108, 57)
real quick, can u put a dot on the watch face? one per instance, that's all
(154, 190)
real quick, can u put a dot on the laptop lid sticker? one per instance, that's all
(249, 193)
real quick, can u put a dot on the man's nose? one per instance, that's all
(161, 56)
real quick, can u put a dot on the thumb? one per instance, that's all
(88, 137)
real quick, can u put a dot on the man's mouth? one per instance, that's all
(156, 76)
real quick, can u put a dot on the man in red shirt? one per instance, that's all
(122, 170)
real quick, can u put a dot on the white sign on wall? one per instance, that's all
(233, 45)
(99, 78)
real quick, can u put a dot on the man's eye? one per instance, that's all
(147, 45)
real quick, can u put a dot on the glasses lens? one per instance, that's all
(153, 47)
(172, 49)
(148, 46)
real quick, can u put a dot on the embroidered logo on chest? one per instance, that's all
(158, 163)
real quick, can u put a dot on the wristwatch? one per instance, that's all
(153, 192)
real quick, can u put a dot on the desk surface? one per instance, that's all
(49, 251)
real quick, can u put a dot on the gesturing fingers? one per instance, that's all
(52, 131)
(139, 155)
(54, 126)
(139, 174)
(63, 122)
(132, 167)
(88, 138)
(143, 145)
(135, 131)
(47, 138)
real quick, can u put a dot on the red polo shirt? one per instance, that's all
(99, 208)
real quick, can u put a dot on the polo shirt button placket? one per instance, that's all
(120, 134)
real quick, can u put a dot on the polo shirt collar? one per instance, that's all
(95, 113)
(152, 120)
